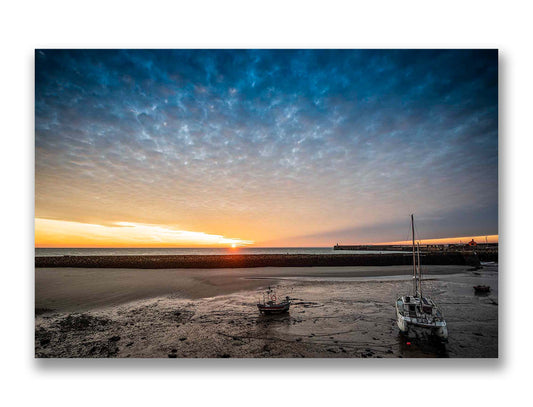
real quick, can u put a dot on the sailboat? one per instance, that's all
(416, 313)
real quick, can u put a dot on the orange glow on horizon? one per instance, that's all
(58, 233)
(62, 234)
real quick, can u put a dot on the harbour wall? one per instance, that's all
(258, 260)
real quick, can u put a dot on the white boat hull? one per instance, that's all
(408, 325)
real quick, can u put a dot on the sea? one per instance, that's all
(42, 252)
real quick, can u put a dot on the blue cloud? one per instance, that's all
(318, 138)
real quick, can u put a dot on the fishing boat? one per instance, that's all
(416, 313)
(270, 305)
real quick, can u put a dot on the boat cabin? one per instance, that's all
(416, 307)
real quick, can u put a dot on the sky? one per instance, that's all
(141, 148)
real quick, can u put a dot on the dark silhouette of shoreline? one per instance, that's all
(261, 260)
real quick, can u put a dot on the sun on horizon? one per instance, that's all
(63, 234)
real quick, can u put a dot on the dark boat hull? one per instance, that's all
(481, 289)
(273, 309)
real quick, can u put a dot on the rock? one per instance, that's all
(102, 349)
(129, 344)
(44, 341)
(225, 355)
(82, 322)
(173, 350)
(172, 355)
(183, 338)
(115, 338)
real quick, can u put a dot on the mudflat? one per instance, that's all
(78, 289)
(336, 312)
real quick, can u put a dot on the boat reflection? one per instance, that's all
(421, 346)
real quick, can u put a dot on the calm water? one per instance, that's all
(196, 251)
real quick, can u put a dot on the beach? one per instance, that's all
(196, 313)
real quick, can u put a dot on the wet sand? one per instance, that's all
(183, 313)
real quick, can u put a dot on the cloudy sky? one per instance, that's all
(270, 147)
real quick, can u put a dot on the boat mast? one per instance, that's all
(419, 271)
(415, 285)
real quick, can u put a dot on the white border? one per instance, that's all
(306, 24)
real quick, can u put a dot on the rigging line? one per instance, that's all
(408, 230)
(418, 234)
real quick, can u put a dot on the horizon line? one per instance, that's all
(447, 240)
